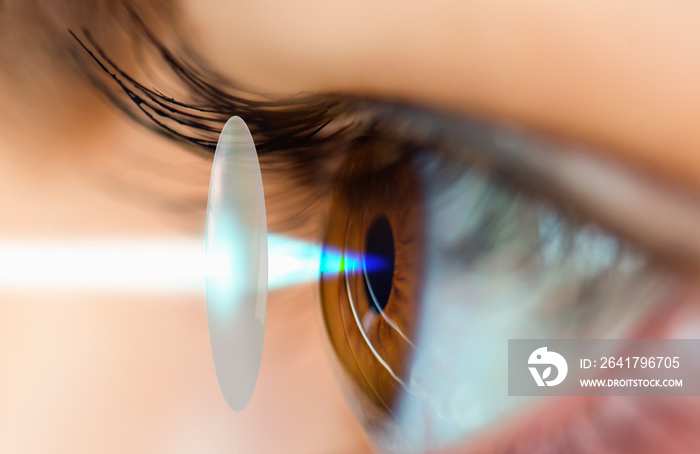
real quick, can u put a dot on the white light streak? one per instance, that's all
(131, 266)
(177, 266)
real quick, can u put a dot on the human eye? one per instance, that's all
(492, 235)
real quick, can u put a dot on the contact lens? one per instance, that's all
(236, 245)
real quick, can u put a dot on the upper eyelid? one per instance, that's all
(656, 217)
(312, 127)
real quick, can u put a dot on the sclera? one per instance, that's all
(236, 243)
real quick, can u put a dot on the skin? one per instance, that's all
(620, 77)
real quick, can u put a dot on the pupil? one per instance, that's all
(378, 262)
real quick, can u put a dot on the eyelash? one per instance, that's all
(300, 128)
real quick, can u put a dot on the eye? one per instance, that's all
(371, 315)
(475, 261)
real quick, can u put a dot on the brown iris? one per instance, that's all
(370, 315)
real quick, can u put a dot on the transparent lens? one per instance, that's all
(237, 256)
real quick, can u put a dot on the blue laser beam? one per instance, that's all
(162, 266)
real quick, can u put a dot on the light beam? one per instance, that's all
(161, 266)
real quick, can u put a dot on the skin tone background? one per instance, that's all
(111, 373)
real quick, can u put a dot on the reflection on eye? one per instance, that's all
(476, 263)
(371, 329)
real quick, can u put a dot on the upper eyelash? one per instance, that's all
(303, 129)
(304, 132)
